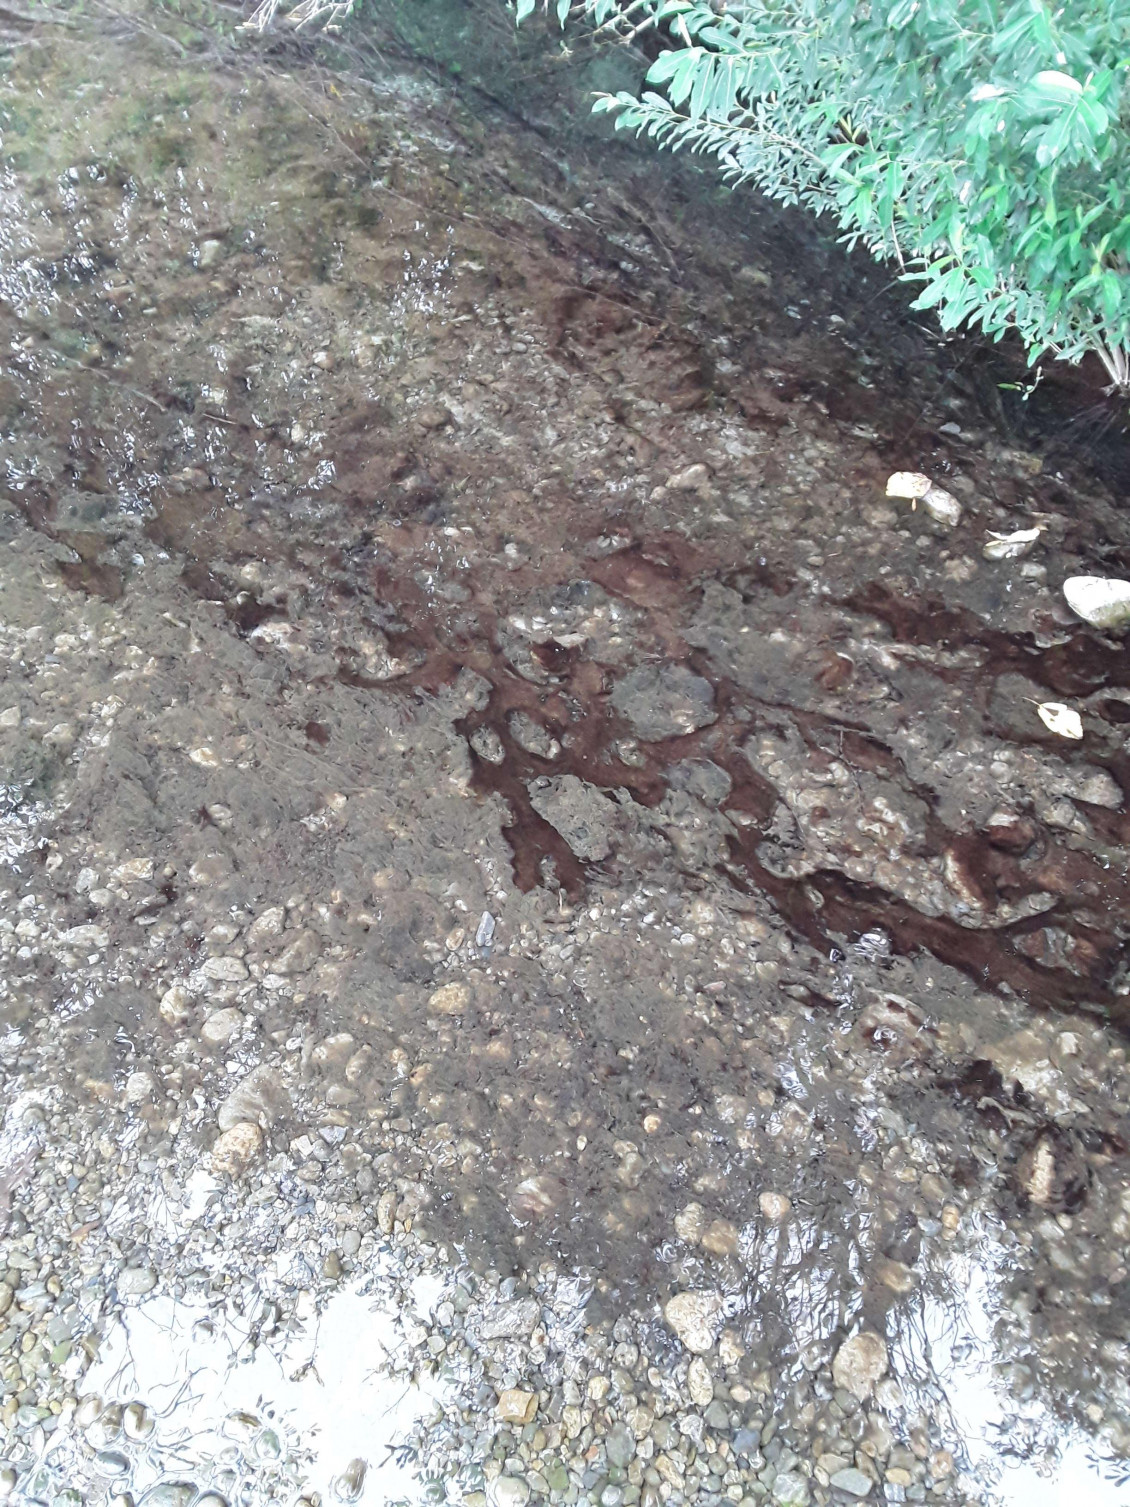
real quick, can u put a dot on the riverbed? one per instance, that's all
(549, 954)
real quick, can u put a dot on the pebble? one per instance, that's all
(696, 1318)
(535, 1197)
(136, 1422)
(168, 1494)
(1101, 602)
(774, 1206)
(717, 1417)
(512, 1321)
(300, 954)
(516, 1406)
(942, 506)
(350, 1484)
(176, 1005)
(509, 1491)
(86, 936)
(236, 1148)
(620, 1446)
(790, 1489)
(259, 1099)
(664, 701)
(690, 1223)
(450, 999)
(720, 1238)
(386, 1211)
(700, 1385)
(140, 1087)
(136, 1281)
(532, 736)
(224, 970)
(220, 1026)
(267, 924)
(692, 479)
(859, 1363)
(488, 745)
(853, 1481)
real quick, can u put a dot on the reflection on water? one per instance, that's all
(1014, 1445)
(325, 1408)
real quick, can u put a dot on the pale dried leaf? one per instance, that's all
(1011, 546)
(910, 484)
(1062, 720)
(1103, 602)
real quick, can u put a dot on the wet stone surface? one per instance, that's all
(522, 872)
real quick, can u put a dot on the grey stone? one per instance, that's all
(664, 701)
(790, 1489)
(509, 1491)
(717, 1416)
(620, 1445)
(512, 1320)
(258, 1100)
(853, 1481)
(702, 778)
(747, 1441)
(136, 1281)
(578, 811)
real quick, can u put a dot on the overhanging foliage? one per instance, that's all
(984, 148)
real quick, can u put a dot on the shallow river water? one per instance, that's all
(548, 955)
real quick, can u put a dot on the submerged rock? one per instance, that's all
(859, 1363)
(136, 1281)
(578, 811)
(664, 701)
(259, 1099)
(696, 1317)
(237, 1148)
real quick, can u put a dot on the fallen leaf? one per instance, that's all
(1062, 720)
(1011, 546)
(1103, 603)
(910, 484)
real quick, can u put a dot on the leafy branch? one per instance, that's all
(984, 149)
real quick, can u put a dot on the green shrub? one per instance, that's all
(982, 147)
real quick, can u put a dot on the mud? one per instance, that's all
(462, 669)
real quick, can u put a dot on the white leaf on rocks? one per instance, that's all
(910, 484)
(1062, 720)
(1102, 603)
(939, 503)
(1011, 546)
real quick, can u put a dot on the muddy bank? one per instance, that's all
(486, 764)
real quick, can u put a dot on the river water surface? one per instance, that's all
(548, 953)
